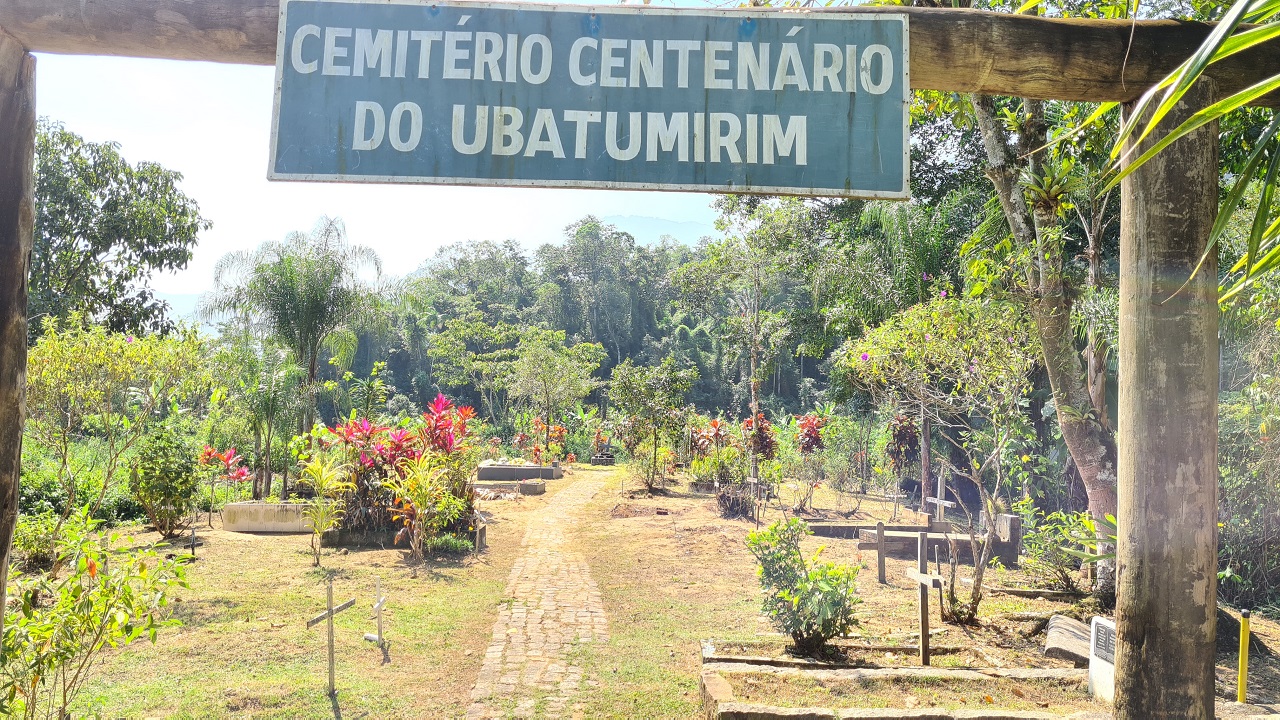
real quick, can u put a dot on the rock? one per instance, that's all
(1067, 639)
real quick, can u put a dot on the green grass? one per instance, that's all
(243, 649)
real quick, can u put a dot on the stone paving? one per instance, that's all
(552, 604)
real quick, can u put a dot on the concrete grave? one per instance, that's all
(260, 517)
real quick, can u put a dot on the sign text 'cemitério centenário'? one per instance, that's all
(804, 103)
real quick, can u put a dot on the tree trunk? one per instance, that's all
(266, 478)
(1168, 410)
(17, 227)
(926, 475)
(257, 454)
(1090, 442)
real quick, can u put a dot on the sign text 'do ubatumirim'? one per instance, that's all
(587, 96)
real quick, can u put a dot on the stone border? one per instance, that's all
(718, 702)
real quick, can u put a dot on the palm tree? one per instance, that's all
(269, 388)
(307, 291)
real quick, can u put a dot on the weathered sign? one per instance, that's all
(581, 96)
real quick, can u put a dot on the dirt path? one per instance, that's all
(552, 603)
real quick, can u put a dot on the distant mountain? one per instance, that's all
(648, 230)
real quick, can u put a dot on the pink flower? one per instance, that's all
(927, 336)
(944, 293)
(865, 357)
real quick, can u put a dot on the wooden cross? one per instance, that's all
(379, 600)
(328, 615)
(925, 580)
(941, 505)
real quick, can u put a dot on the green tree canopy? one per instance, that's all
(103, 227)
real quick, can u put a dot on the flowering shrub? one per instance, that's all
(423, 500)
(762, 439)
(712, 437)
(57, 626)
(809, 436)
(377, 458)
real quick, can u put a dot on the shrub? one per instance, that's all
(55, 630)
(1047, 547)
(447, 545)
(424, 502)
(164, 480)
(809, 600)
(326, 478)
(33, 542)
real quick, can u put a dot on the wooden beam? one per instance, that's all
(1168, 414)
(955, 50)
(17, 223)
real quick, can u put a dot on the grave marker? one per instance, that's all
(328, 615)
(940, 505)
(921, 575)
(1102, 659)
(880, 552)
(379, 600)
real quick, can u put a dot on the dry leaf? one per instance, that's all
(1019, 693)
(987, 699)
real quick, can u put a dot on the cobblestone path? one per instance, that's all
(553, 604)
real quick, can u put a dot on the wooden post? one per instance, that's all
(17, 226)
(880, 552)
(333, 691)
(379, 601)
(1168, 418)
(922, 567)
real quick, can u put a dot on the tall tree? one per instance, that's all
(308, 291)
(103, 227)
(552, 377)
(1034, 193)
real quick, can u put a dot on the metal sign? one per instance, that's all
(604, 97)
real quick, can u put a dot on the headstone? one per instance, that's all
(1009, 539)
(1067, 639)
(1102, 659)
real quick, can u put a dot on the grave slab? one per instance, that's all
(1067, 639)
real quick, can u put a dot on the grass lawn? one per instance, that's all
(243, 649)
(671, 573)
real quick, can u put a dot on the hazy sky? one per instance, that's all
(212, 123)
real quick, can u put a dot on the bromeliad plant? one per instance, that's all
(809, 600)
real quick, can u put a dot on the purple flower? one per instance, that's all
(927, 336)
(944, 293)
(865, 357)
(129, 339)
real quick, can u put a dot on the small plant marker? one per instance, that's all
(926, 581)
(379, 600)
(328, 615)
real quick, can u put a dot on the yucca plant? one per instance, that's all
(327, 477)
